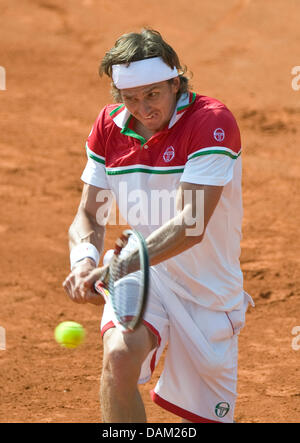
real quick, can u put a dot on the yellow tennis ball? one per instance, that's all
(69, 334)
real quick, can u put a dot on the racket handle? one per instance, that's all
(99, 288)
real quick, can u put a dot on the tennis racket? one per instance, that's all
(128, 303)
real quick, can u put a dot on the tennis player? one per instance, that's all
(161, 137)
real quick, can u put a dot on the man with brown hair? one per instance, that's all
(161, 137)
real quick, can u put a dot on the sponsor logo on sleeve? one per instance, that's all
(219, 134)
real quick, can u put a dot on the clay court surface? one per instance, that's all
(241, 52)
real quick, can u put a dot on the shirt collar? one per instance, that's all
(121, 116)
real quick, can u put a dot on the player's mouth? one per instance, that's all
(152, 116)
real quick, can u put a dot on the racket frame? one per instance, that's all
(108, 283)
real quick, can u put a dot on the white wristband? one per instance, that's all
(84, 250)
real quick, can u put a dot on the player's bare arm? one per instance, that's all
(87, 229)
(173, 237)
(176, 236)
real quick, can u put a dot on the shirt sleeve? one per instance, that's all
(94, 174)
(214, 147)
(95, 171)
(210, 169)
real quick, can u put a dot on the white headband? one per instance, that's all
(142, 72)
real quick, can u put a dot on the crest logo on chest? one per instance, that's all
(169, 154)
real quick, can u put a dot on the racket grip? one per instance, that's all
(99, 288)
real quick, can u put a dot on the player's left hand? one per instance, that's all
(79, 283)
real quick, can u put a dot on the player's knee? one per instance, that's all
(120, 368)
(123, 358)
(118, 356)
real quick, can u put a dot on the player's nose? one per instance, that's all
(145, 110)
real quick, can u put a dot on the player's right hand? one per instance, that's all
(75, 286)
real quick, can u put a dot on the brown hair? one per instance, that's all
(134, 47)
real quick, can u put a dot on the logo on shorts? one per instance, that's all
(169, 154)
(219, 134)
(222, 409)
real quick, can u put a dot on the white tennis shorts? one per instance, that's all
(199, 378)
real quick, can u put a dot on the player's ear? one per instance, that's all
(176, 84)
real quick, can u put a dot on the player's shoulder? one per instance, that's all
(211, 123)
(114, 109)
(108, 112)
(210, 110)
(105, 118)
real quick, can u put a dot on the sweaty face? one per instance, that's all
(152, 105)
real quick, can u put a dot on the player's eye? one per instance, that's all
(153, 94)
(130, 99)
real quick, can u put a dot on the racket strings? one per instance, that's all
(125, 297)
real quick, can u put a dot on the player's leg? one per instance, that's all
(122, 361)
(202, 354)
